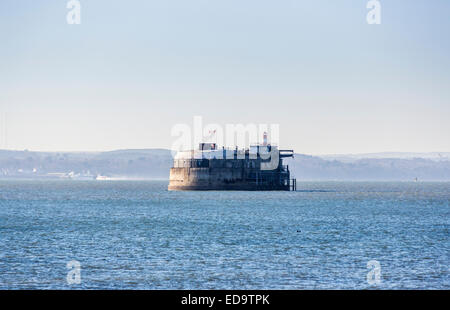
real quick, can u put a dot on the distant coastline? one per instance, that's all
(147, 164)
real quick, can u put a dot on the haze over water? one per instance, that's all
(137, 235)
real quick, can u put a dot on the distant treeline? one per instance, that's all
(155, 164)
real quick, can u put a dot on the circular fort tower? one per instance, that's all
(258, 168)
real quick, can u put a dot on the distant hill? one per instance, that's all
(306, 167)
(150, 163)
(155, 164)
(438, 156)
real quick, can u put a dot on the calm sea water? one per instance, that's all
(137, 235)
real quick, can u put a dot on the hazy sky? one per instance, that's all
(133, 69)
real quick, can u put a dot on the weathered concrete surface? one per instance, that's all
(224, 178)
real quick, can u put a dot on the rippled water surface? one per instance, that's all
(137, 235)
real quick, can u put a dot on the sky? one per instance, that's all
(132, 70)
